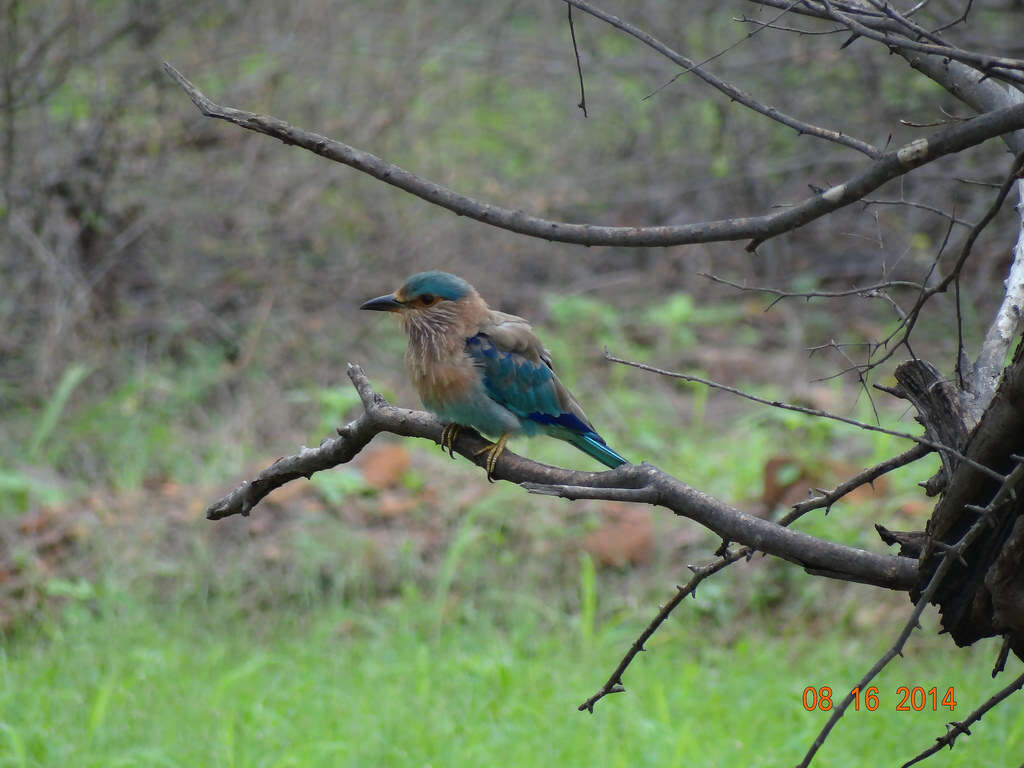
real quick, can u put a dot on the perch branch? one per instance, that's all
(755, 228)
(640, 483)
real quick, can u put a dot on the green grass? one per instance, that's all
(127, 685)
(179, 648)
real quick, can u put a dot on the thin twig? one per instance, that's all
(811, 412)
(952, 555)
(906, 326)
(579, 68)
(614, 683)
(921, 206)
(725, 87)
(867, 291)
(722, 52)
(869, 475)
(1003, 67)
(963, 727)
(782, 28)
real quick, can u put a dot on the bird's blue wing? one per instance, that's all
(524, 386)
(529, 388)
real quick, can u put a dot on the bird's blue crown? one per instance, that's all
(441, 284)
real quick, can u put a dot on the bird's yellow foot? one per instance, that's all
(493, 451)
(449, 436)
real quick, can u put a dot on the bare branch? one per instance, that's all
(641, 483)
(966, 83)
(868, 201)
(727, 88)
(905, 327)
(757, 228)
(812, 412)
(996, 66)
(952, 555)
(868, 291)
(1007, 323)
(614, 683)
(869, 475)
(731, 46)
(743, 19)
(963, 727)
(579, 68)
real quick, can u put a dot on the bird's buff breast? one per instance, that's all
(455, 393)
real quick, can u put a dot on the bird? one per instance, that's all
(476, 367)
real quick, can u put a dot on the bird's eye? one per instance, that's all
(427, 299)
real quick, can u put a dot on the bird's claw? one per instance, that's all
(493, 451)
(448, 437)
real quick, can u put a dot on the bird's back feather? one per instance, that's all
(517, 373)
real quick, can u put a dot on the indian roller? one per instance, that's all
(476, 367)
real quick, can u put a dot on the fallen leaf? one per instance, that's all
(627, 537)
(393, 504)
(384, 467)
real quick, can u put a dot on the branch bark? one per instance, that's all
(638, 483)
(965, 600)
(730, 90)
(755, 228)
(972, 86)
(1007, 323)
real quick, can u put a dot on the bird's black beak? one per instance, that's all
(382, 304)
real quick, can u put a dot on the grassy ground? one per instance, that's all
(360, 621)
(124, 685)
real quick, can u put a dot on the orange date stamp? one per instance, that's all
(907, 699)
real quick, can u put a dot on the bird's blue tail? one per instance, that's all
(594, 446)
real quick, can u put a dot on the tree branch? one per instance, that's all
(757, 228)
(614, 683)
(730, 90)
(995, 65)
(963, 727)
(966, 83)
(869, 475)
(953, 554)
(639, 483)
(1007, 323)
(931, 444)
